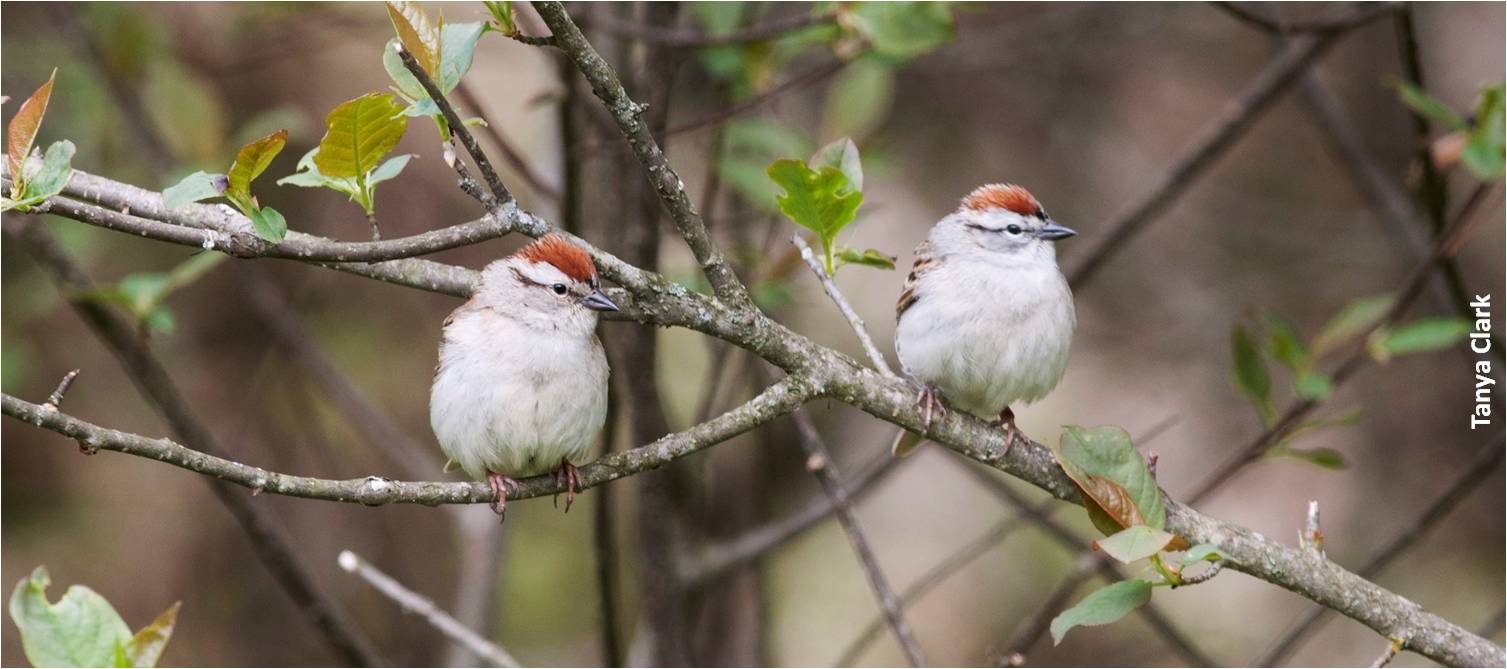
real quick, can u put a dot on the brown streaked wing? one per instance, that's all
(910, 294)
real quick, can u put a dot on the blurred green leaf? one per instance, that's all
(1102, 606)
(250, 162)
(1133, 543)
(424, 107)
(848, 255)
(843, 155)
(269, 224)
(1286, 346)
(900, 31)
(198, 186)
(147, 645)
(22, 133)
(1484, 151)
(1357, 318)
(186, 109)
(820, 201)
(1327, 458)
(1313, 385)
(1107, 454)
(859, 99)
(1429, 334)
(1250, 371)
(1428, 106)
(80, 630)
(1201, 553)
(359, 132)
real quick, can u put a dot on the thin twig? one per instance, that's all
(423, 607)
(1482, 466)
(819, 462)
(1201, 577)
(1393, 648)
(271, 546)
(514, 159)
(457, 125)
(1212, 141)
(673, 37)
(55, 400)
(830, 285)
(1311, 537)
(1363, 13)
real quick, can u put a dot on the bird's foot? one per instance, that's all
(501, 486)
(1012, 433)
(930, 401)
(567, 475)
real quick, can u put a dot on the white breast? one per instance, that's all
(508, 400)
(988, 336)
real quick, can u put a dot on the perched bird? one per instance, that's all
(986, 317)
(521, 385)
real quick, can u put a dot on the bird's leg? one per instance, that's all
(1007, 421)
(567, 474)
(930, 401)
(501, 486)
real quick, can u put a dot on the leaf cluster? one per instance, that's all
(823, 195)
(31, 183)
(1482, 147)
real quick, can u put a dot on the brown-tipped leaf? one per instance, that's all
(419, 35)
(23, 129)
(146, 647)
(251, 161)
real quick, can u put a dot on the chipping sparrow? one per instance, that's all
(521, 385)
(986, 317)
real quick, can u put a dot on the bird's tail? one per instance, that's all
(905, 442)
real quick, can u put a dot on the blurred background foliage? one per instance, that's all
(1084, 104)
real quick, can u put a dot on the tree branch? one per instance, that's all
(1363, 13)
(458, 129)
(829, 284)
(423, 607)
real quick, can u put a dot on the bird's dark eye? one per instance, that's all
(1012, 229)
(559, 288)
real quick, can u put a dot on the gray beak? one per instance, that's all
(596, 301)
(1053, 232)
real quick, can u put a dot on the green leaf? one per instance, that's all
(1250, 370)
(161, 321)
(843, 155)
(270, 225)
(359, 133)
(1357, 318)
(420, 36)
(1286, 346)
(1428, 105)
(819, 201)
(200, 185)
(1202, 553)
(858, 100)
(1484, 153)
(1102, 606)
(56, 168)
(1313, 385)
(388, 169)
(1327, 458)
(80, 630)
(250, 162)
(400, 75)
(1429, 334)
(1136, 542)
(22, 133)
(145, 648)
(900, 31)
(848, 255)
(459, 41)
(309, 176)
(502, 15)
(1106, 453)
(423, 107)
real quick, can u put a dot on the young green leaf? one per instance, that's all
(250, 162)
(1201, 553)
(388, 169)
(1135, 543)
(848, 255)
(420, 36)
(1428, 106)
(819, 201)
(1313, 385)
(269, 224)
(145, 648)
(843, 155)
(1106, 453)
(359, 132)
(1429, 334)
(80, 630)
(1357, 318)
(1102, 606)
(459, 41)
(22, 132)
(1286, 346)
(200, 185)
(1327, 458)
(401, 77)
(49, 179)
(1250, 370)
(1484, 152)
(503, 17)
